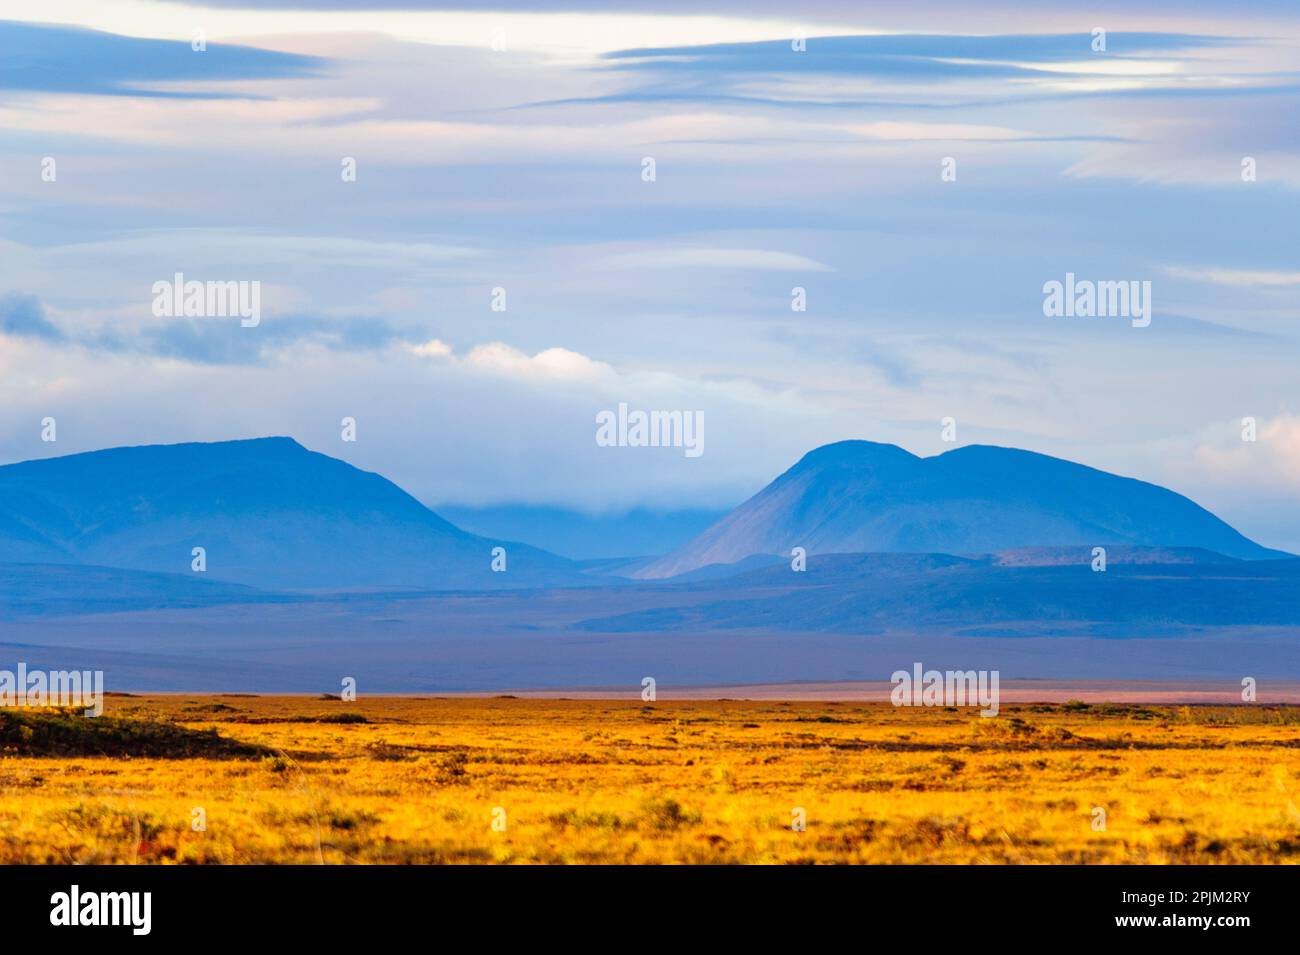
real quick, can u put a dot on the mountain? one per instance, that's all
(268, 512)
(864, 497)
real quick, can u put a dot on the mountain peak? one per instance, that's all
(854, 452)
(238, 447)
(867, 497)
(267, 512)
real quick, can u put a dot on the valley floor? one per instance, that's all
(508, 780)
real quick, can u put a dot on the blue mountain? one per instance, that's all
(268, 513)
(865, 497)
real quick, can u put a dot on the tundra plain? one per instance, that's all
(241, 779)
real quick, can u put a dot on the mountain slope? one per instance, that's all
(268, 512)
(864, 497)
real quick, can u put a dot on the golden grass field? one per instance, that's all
(621, 781)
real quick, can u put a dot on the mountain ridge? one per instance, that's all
(268, 512)
(869, 497)
(273, 514)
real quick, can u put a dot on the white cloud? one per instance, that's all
(1236, 277)
(433, 348)
(498, 358)
(557, 363)
(1270, 461)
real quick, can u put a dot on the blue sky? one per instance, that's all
(505, 149)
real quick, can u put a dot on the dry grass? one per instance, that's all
(417, 780)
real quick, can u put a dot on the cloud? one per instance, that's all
(1238, 117)
(1272, 459)
(912, 72)
(47, 58)
(23, 315)
(558, 364)
(257, 251)
(226, 342)
(912, 55)
(710, 258)
(913, 131)
(206, 341)
(433, 348)
(1244, 278)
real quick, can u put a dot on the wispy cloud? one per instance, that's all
(1243, 278)
(48, 58)
(711, 258)
(912, 54)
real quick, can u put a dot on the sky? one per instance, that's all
(507, 150)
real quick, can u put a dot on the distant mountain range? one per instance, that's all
(316, 569)
(864, 497)
(272, 515)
